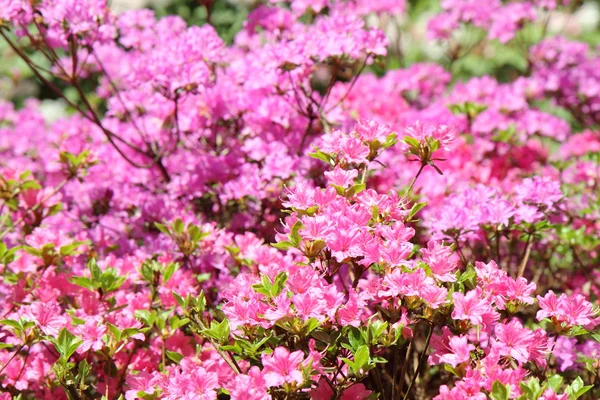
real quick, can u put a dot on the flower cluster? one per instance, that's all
(294, 208)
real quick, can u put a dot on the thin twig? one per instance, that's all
(415, 178)
(523, 264)
(421, 360)
(364, 65)
(12, 357)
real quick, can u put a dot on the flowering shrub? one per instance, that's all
(290, 216)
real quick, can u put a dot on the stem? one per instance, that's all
(12, 357)
(523, 263)
(549, 357)
(117, 93)
(415, 178)
(403, 371)
(227, 356)
(351, 85)
(363, 178)
(421, 360)
(311, 118)
(460, 252)
(378, 382)
(498, 246)
(90, 114)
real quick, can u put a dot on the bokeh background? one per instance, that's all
(407, 33)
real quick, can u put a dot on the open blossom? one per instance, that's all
(341, 177)
(470, 307)
(423, 133)
(513, 340)
(344, 244)
(282, 366)
(459, 351)
(250, 386)
(370, 130)
(400, 283)
(440, 260)
(196, 384)
(48, 316)
(570, 310)
(91, 333)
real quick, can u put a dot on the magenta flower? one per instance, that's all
(48, 316)
(400, 283)
(513, 340)
(568, 310)
(470, 307)
(282, 367)
(459, 351)
(440, 260)
(91, 333)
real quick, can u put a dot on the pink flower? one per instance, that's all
(513, 340)
(443, 134)
(356, 392)
(470, 306)
(354, 151)
(341, 177)
(568, 310)
(194, 384)
(250, 386)
(400, 283)
(434, 295)
(47, 316)
(142, 382)
(344, 244)
(459, 351)
(369, 131)
(549, 394)
(440, 260)
(91, 332)
(281, 367)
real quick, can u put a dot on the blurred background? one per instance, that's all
(406, 31)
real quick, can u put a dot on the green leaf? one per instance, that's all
(95, 271)
(311, 325)
(115, 332)
(174, 356)
(555, 382)
(578, 331)
(295, 237)
(16, 325)
(66, 344)
(415, 209)
(411, 141)
(178, 299)
(361, 358)
(279, 284)
(319, 155)
(355, 339)
(577, 389)
(69, 249)
(162, 228)
(84, 282)
(178, 226)
(169, 271)
(282, 245)
(499, 391)
(219, 331)
(531, 389)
